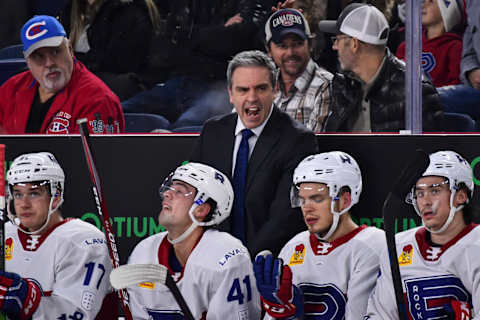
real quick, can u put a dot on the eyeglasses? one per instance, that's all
(177, 190)
(434, 190)
(338, 38)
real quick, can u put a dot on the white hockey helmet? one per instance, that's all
(36, 167)
(456, 170)
(452, 12)
(336, 169)
(210, 184)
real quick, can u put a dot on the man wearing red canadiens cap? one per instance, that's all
(57, 89)
(369, 92)
(304, 88)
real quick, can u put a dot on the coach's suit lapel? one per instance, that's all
(225, 141)
(267, 141)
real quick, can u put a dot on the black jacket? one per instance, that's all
(387, 101)
(119, 39)
(195, 42)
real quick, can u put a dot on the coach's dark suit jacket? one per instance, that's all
(283, 143)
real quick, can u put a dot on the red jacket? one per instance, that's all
(85, 96)
(440, 58)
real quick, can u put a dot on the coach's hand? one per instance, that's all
(19, 298)
(280, 298)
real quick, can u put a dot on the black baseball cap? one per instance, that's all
(284, 22)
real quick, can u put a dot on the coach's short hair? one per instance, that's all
(252, 58)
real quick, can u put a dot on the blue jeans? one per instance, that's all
(184, 101)
(461, 99)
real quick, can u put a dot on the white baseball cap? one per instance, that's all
(362, 21)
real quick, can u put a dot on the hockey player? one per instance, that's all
(334, 264)
(439, 265)
(212, 269)
(56, 268)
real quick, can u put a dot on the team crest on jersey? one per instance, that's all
(298, 255)
(405, 257)
(60, 123)
(9, 249)
(147, 285)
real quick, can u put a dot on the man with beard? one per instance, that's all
(303, 87)
(369, 92)
(57, 89)
(258, 147)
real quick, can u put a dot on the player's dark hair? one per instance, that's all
(471, 213)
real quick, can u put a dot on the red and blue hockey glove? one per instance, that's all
(280, 298)
(19, 298)
(458, 310)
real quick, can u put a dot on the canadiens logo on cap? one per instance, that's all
(9, 249)
(41, 31)
(286, 21)
(36, 30)
(298, 255)
(406, 256)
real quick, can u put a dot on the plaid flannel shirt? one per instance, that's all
(308, 100)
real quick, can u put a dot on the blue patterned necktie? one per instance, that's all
(239, 182)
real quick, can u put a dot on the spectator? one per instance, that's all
(334, 245)
(369, 92)
(465, 98)
(195, 60)
(397, 25)
(303, 87)
(57, 89)
(210, 267)
(441, 46)
(112, 39)
(262, 166)
(438, 260)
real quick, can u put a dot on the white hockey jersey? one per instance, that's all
(70, 264)
(217, 281)
(336, 277)
(431, 276)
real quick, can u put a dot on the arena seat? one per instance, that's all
(188, 129)
(10, 67)
(458, 122)
(144, 122)
(12, 52)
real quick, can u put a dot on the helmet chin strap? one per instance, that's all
(189, 230)
(50, 212)
(453, 210)
(451, 215)
(336, 218)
